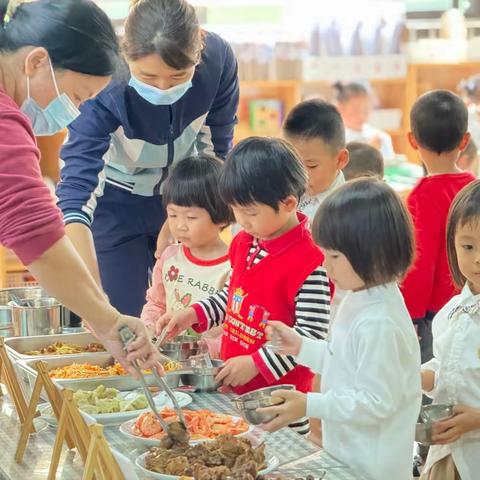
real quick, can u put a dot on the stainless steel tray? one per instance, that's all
(15, 346)
(123, 383)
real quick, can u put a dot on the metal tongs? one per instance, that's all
(127, 336)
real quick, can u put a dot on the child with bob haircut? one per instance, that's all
(370, 365)
(276, 273)
(193, 268)
(453, 374)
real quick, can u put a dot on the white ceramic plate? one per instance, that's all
(126, 429)
(272, 464)
(161, 401)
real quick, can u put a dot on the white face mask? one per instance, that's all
(156, 96)
(59, 113)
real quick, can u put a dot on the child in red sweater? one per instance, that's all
(276, 267)
(439, 122)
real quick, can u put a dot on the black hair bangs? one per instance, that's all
(262, 170)
(193, 182)
(367, 222)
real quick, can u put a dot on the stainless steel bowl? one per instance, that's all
(423, 433)
(182, 347)
(248, 403)
(202, 377)
(42, 317)
(436, 412)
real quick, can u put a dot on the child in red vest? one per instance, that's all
(276, 272)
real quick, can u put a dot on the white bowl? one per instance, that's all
(161, 401)
(272, 464)
(126, 429)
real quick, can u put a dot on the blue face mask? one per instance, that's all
(59, 113)
(156, 96)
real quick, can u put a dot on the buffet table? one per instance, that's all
(298, 457)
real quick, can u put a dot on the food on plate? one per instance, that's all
(107, 400)
(172, 366)
(86, 370)
(202, 424)
(230, 456)
(63, 348)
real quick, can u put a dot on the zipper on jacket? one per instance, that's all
(170, 152)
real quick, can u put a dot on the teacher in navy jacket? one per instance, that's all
(178, 96)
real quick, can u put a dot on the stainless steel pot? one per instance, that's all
(6, 314)
(69, 322)
(6, 309)
(42, 317)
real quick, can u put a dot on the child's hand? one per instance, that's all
(237, 371)
(294, 407)
(465, 419)
(288, 340)
(176, 323)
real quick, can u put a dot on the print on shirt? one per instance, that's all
(181, 302)
(174, 276)
(246, 333)
(237, 300)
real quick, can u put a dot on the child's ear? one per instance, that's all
(412, 140)
(465, 141)
(343, 158)
(290, 203)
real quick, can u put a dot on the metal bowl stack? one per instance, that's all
(202, 377)
(182, 348)
(248, 403)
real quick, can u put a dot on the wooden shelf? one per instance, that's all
(391, 92)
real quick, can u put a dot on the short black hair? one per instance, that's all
(365, 161)
(367, 221)
(77, 34)
(193, 182)
(316, 119)
(262, 170)
(465, 209)
(439, 120)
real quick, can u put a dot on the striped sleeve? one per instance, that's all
(312, 305)
(214, 308)
(312, 315)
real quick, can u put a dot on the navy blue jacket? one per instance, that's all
(123, 140)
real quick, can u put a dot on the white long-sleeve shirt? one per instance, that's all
(456, 363)
(371, 391)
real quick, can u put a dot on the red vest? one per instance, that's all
(273, 283)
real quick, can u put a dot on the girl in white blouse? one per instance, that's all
(370, 392)
(453, 375)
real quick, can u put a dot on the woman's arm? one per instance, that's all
(61, 271)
